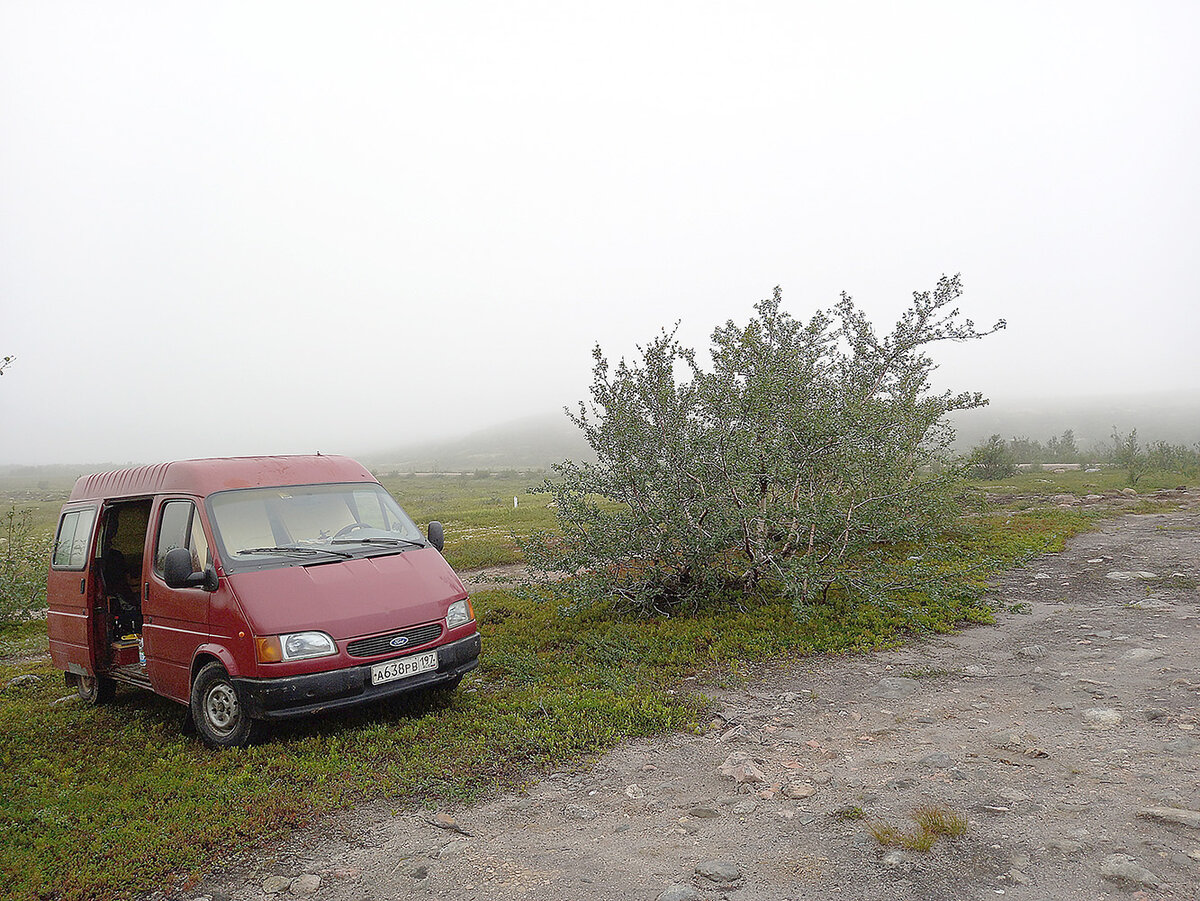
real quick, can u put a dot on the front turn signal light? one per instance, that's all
(268, 649)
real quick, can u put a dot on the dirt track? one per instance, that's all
(1065, 734)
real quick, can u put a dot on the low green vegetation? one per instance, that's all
(1038, 484)
(481, 521)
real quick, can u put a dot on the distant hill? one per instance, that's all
(523, 444)
(536, 442)
(1165, 417)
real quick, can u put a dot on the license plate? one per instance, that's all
(403, 668)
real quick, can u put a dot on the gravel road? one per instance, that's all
(1066, 736)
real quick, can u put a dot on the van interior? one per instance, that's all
(119, 604)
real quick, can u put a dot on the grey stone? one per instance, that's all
(734, 734)
(719, 870)
(1033, 652)
(1181, 745)
(1006, 738)
(895, 859)
(740, 768)
(580, 812)
(273, 885)
(1154, 714)
(1142, 655)
(937, 761)
(1122, 868)
(797, 790)
(634, 792)
(1065, 845)
(895, 687)
(704, 812)
(444, 820)
(1101, 718)
(741, 808)
(1178, 816)
(680, 893)
(1141, 576)
(307, 884)
(455, 847)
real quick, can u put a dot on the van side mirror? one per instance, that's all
(177, 571)
(437, 537)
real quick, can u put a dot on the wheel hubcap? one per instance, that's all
(221, 708)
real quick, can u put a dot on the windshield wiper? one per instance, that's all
(385, 540)
(294, 549)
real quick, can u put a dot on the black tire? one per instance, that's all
(95, 690)
(217, 709)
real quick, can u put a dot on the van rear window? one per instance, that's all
(74, 539)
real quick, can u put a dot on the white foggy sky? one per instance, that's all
(233, 228)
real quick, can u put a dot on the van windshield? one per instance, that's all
(309, 523)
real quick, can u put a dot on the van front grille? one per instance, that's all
(383, 644)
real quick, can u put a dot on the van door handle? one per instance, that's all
(83, 586)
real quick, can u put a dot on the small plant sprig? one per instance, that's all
(932, 823)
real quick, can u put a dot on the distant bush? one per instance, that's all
(1126, 452)
(992, 460)
(24, 561)
(1023, 449)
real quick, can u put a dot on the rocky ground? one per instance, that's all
(1065, 736)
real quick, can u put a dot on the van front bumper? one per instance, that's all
(302, 695)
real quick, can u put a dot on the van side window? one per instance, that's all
(180, 527)
(74, 538)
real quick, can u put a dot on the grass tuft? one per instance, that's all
(932, 823)
(939, 821)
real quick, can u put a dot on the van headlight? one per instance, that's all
(294, 646)
(459, 614)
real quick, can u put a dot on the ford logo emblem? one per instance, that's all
(398, 642)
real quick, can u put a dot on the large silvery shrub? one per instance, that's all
(803, 448)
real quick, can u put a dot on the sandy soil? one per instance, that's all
(1066, 735)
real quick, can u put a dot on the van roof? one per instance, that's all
(205, 477)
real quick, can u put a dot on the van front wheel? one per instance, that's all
(218, 711)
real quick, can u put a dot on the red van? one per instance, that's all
(252, 588)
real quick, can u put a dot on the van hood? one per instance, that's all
(349, 598)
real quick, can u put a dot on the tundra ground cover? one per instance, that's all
(114, 801)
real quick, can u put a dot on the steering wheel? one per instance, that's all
(353, 527)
